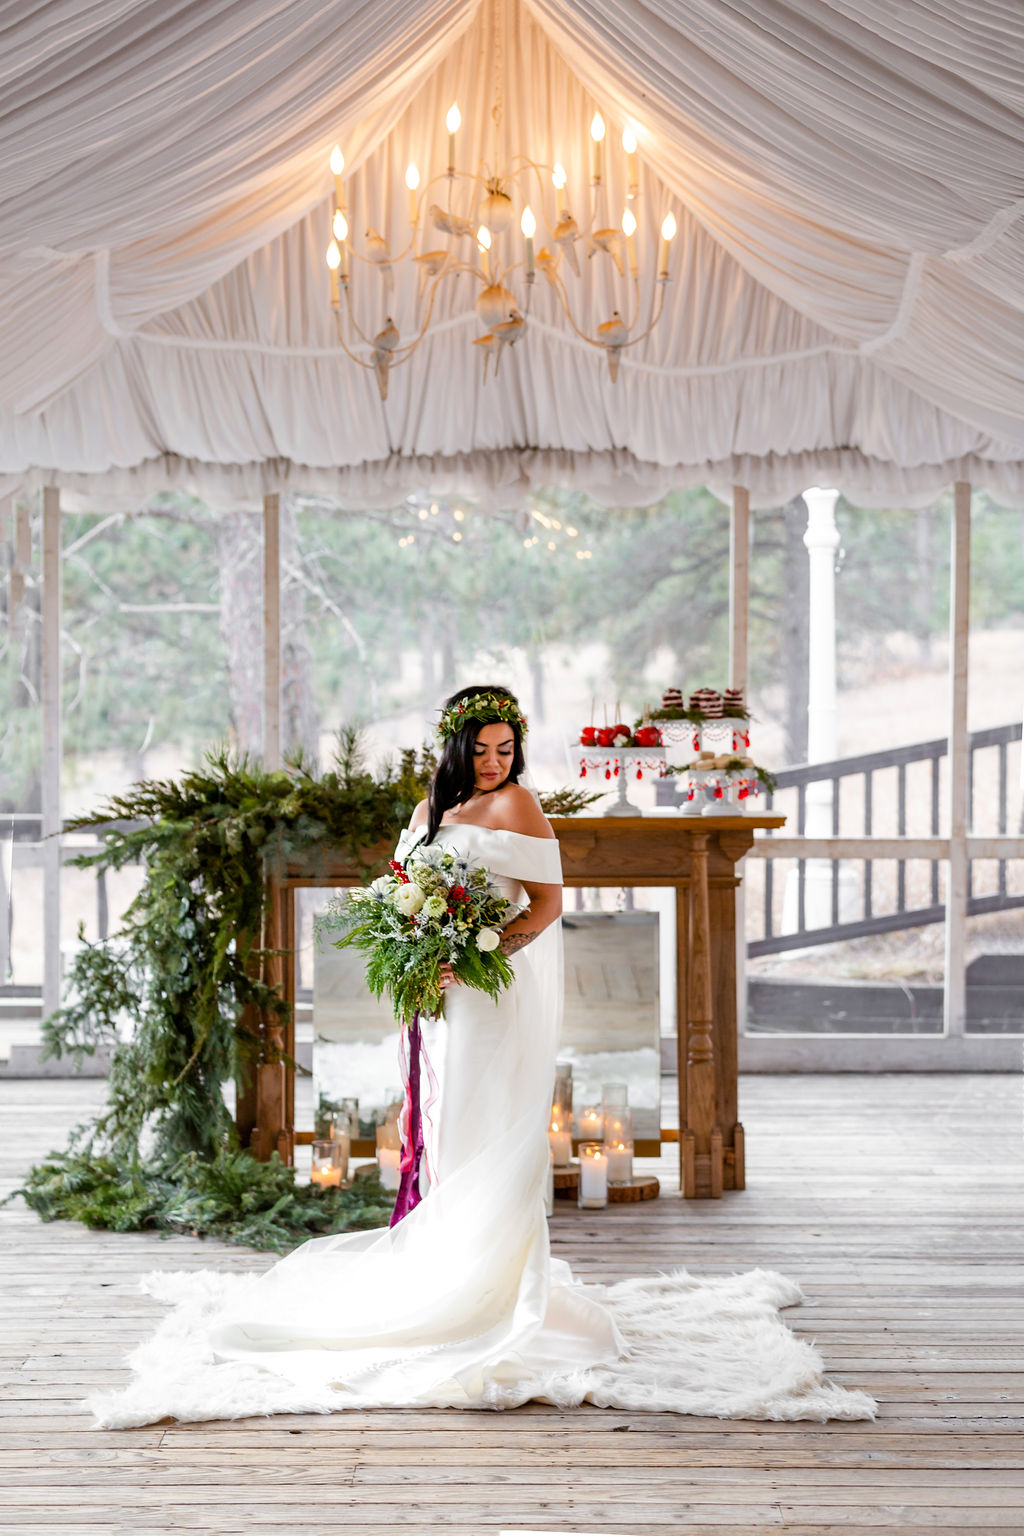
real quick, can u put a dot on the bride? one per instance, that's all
(460, 1303)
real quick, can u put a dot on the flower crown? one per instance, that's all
(485, 709)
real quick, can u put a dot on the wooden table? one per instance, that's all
(697, 856)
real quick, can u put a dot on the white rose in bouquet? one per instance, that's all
(408, 899)
(382, 886)
(488, 939)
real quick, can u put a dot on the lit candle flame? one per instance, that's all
(412, 177)
(629, 223)
(528, 222)
(668, 227)
(597, 128)
(453, 122)
(629, 141)
(483, 238)
(337, 161)
(558, 177)
(333, 256)
(340, 227)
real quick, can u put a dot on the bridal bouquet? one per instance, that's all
(438, 908)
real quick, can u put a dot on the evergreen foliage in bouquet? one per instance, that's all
(438, 908)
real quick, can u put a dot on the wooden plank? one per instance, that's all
(914, 1290)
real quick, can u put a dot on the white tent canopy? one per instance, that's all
(847, 296)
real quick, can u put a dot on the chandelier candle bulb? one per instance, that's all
(334, 262)
(668, 234)
(593, 1195)
(629, 230)
(558, 181)
(483, 240)
(597, 134)
(629, 145)
(337, 167)
(528, 224)
(453, 122)
(412, 181)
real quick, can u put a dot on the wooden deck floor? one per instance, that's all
(895, 1201)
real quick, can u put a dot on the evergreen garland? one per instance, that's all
(163, 1153)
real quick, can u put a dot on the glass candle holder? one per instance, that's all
(389, 1154)
(330, 1163)
(561, 1099)
(618, 1142)
(614, 1093)
(560, 1139)
(593, 1195)
(590, 1123)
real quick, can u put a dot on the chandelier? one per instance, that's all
(483, 224)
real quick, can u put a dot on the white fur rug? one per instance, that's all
(715, 1348)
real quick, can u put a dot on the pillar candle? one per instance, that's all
(388, 1160)
(593, 1176)
(560, 1143)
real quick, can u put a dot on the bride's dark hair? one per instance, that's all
(454, 779)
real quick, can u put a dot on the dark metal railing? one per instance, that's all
(865, 767)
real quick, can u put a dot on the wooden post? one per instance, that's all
(955, 995)
(52, 748)
(271, 631)
(739, 677)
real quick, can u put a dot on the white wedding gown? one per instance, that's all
(461, 1304)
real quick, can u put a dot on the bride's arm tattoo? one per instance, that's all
(515, 941)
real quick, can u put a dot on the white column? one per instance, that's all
(739, 636)
(8, 542)
(821, 540)
(955, 995)
(271, 631)
(52, 748)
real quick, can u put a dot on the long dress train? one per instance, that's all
(461, 1304)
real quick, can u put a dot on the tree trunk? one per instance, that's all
(240, 560)
(537, 679)
(795, 646)
(925, 581)
(300, 716)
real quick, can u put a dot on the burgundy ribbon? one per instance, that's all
(413, 1149)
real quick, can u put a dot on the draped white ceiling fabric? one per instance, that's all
(847, 294)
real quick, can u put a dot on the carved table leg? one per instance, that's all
(273, 1131)
(701, 1088)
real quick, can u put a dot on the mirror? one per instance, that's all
(611, 1031)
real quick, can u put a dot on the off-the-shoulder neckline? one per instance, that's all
(471, 826)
